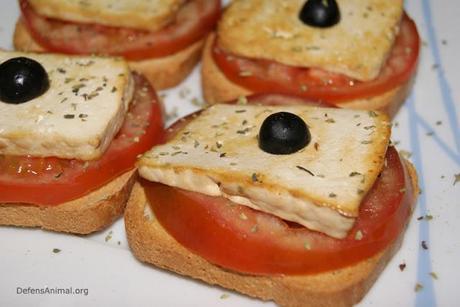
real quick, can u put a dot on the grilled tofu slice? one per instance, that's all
(321, 186)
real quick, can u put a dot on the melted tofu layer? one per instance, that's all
(320, 186)
(357, 46)
(77, 117)
(148, 15)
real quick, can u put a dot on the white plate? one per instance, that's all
(427, 126)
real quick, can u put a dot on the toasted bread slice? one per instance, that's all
(217, 88)
(162, 72)
(84, 215)
(344, 287)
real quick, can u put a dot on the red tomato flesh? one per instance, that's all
(52, 181)
(249, 241)
(241, 239)
(264, 76)
(193, 21)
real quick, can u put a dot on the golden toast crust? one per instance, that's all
(84, 215)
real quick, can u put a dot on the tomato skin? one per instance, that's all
(264, 76)
(194, 22)
(53, 181)
(263, 244)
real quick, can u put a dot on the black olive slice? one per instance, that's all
(320, 13)
(283, 133)
(22, 79)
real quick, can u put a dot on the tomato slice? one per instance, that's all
(194, 20)
(269, 76)
(244, 240)
(249, 241)
(52, 181)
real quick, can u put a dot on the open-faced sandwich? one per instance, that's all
(299, 204)
(70, 131)
(350, 53)
(160, 39)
